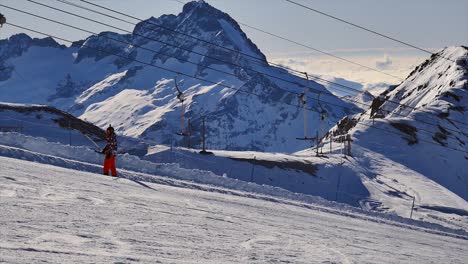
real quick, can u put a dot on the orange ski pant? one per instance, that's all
(109, 164)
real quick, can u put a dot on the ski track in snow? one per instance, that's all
(206, 181)
(61, 215)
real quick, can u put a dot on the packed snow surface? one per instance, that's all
(388, 188)
(54, 214)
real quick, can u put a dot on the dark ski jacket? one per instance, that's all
(111, 147)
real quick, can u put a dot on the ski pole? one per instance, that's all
(92, 141)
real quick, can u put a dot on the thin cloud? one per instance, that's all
(400, 51)
(397, 65)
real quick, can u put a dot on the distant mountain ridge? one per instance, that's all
(140, 100)
(422, 123)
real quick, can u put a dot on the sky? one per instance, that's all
(429, 24)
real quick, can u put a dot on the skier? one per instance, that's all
(110, 151)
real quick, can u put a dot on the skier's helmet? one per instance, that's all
(110, 130)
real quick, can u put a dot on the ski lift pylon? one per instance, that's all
(303, 101)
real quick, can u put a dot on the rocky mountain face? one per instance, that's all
(420, 124)
(434, 97)
(361, 100)
(129, 80)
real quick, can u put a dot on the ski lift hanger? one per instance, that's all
(323, 112)
(2, 20)
(180, 95)
(181, 98)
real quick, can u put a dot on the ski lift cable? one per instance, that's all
(320, 51)
(81, 29)
(94, 33)
(313, 49)
(3, 21)
(136, 46)
(117, 40)
(262, 61)
(347, 99)
(277, 65)
(208, 81)
(273, 76)
(337, 57)
(254, 28)
(258, 59)
(188, 50)
(365, 29)
(149, 38)
(317, 78)
(94, 11)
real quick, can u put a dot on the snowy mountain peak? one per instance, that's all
(421, 124)
(130, 80)
(200, 6)
(19, 43)
(361, 100)
(440, 83)
(204, 22)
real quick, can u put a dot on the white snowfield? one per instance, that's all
(334, 183)
(57, 215)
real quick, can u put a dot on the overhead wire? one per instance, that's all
(258, 59)
(211, 43)
(144, 63)
(337, 57)
(208, 81)
(316, 78)
(325, 93)
(296, 93)
(364, 28)
(286, 39)
(153, 39)
(296, 72)
(238, 65)
(166, 54)
(428, 131)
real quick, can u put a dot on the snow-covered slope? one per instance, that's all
(429, 111)
(49, 123)
(330, 177)
(399, 154)
(51, 214)
(360, 100)
(411, 145)
(390, 163)
(140, 100)
(414, 142)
